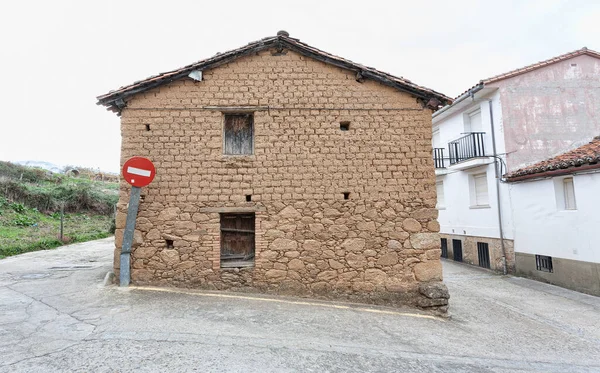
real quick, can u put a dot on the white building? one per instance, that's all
(501, 127)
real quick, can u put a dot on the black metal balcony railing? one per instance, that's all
(438, 157)
(466, 147)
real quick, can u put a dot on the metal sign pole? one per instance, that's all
(132, 210)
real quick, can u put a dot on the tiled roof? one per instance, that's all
(528, 68)
(586, 155)
(544, 63)
(116, 97)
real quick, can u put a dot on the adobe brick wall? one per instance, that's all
(381, 245)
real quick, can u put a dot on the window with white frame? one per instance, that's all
(479, 190)
(439, 186)
(435, 140)
(569, 193)
(472, 121)
(564, 189)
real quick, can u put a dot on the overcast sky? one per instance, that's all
(57, 56)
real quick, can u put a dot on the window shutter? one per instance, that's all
(238, 134)
(440, 193)
(569, 189)
(481, 190)
(436, 138)
(475, 120)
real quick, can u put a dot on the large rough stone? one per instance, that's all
(311, 245)
(433, 226)
(434, 290)
(185, 265)
(153, 234)
(366, 226)
(375, 275)
(430, 213)
(283, 244)
(388, 259)
(411, 225)
(169, 214)
(144, 252)
(428, 271)
(354, 244)
(170, 257)
(275, 274)
(356, 261)
(426, 302)
(327, 275)
(120, 220)
(335, 264)
(274, 233)
(289, 212)
(138, 239)
(142, 275)
(388, 213)
(296, 264)
(394, 245)
(425, 241)
(316, 227)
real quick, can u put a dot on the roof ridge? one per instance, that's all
(114, 99)
(542, 63)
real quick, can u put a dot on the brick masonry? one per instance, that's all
(379, 246)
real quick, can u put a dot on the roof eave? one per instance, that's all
(430, 98)
(552, 173)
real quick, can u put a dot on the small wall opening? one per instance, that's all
(345, 126)
(248, 198)
(147, 127)
(346, 195)
(169, 244)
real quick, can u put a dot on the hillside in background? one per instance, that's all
(31, 201)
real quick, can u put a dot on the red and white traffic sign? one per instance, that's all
(139, 171)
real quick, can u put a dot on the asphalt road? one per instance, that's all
(56, 316)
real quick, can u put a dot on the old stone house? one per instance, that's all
(284, 169)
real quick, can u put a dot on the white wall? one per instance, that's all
(457, 216)
(542, 228)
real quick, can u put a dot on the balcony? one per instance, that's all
(467, 147)
(465, 152)
(438, 158)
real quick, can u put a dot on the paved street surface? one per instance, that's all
(55, 316)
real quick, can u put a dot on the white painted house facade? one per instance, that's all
(500, 127)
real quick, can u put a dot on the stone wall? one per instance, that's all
(470, 255)
(380, 245)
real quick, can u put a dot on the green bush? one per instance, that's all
(76, 196)
(23, 221)
(17, 207)
(27, 174)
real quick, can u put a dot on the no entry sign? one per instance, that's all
(139, 171)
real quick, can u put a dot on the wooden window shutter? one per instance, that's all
(481, 190)
(440, 193)
(569, 189)
(239, 134)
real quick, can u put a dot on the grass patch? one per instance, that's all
(30, 203)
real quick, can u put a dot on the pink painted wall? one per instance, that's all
(550, 110)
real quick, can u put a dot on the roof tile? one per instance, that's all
(588, 154)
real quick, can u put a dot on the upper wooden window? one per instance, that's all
(237, 240)
(238, 134)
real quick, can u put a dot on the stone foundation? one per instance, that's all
(376, 252)
(470, 255)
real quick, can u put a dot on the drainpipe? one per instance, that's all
(504, 269)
